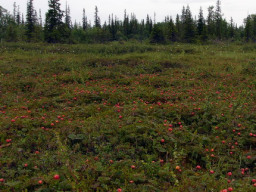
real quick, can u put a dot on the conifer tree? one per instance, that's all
(201, 26)
(231, 29)
(30, 21)
(178, 26)
(189, 28)
(84, 21)
(14, 11)
(22, 19)
(18, 18)
(248, 28)
(172, 35)
(149, 26)
(53, 22)
(126, 24)
(67, 17)
(40, 18)
(211, 22)
(96, 18)
(218, 20)
(157, 35)
(200, 22)
(254, 27)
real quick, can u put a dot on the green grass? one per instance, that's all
(93, 111)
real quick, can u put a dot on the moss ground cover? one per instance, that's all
(129, 117)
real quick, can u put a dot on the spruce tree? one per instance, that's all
(53, 22)
(14, 11)
(218, 20)
(22, 19)
(96, 18)
(201, 27)
(157, 35)
(149, 26)
(254, 27)
(178, 27)
(189, 28)
(248, 28)
(231, 29)
(126, 25)
(172, 34)
(67, 17)
(40, 18)
(200, 22)
(211, 22)
(113, 28)
(84, 21)
(18, 18)
(30, 21)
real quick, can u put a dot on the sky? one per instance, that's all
(230, 8)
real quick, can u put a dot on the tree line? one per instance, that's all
(58, 27)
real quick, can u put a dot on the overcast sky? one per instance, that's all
(238, 9)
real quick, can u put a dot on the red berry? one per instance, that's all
(1, 180)
(133, 166)
(25, 165)
(249, 157)
(177, 167)
(8, 140)
(162, 140)
(198, 167)
(131, 181)
(230, 189)
(211, 171)
(56, 177)
(119, 190)
(229, 173)
(254, 180)
(40, 182)
(254, 184)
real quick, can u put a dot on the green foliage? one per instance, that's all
(53, 23)
(127, 115)
(30, 21)
(157, 35)
(58, 27)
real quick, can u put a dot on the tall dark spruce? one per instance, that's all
(53, 22)
(30, 21)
